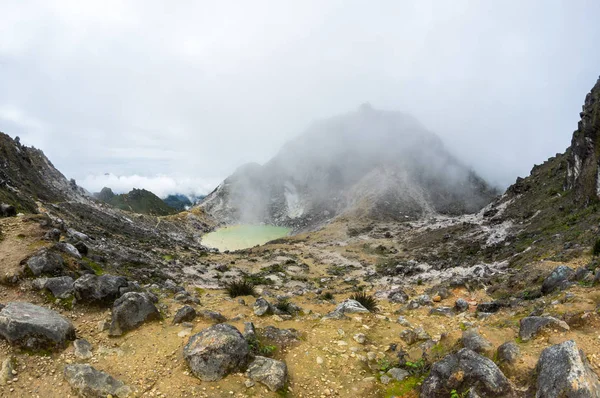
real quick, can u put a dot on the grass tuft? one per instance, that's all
(366, 300)
(240, 288)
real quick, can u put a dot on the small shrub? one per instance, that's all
(327, 296)
(239, 288)
(366, 300)
(284, 306)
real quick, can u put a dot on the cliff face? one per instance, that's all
(371, 163)
(583, 157)
(26, 175)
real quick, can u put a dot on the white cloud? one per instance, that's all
(160, 185)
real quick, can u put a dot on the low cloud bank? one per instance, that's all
(160, 185)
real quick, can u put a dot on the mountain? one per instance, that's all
(378, 164)
(182, 202)
(137, 201)
(26, 176)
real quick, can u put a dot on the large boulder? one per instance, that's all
(508, 353)
(7, 210)
(270, 372)
(532, 325)
(216, 351)
(563, 371)
(130, 311)
(472, 340)
(68, 248)
(559, 279)
(103, 289)
(46, 263)
(184, 314)
(466, 370)
(34, 327)
(89, 382)
(60, 286)
(347, 306)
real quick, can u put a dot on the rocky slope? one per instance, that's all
(377, 164)
(137, 201)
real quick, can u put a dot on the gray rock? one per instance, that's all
(270, 372)
(508, 353)
(472, 340)
(532, 325)
(216, 351)
(563, 371)
(282, 338)
(185, 314)
(397, 296)
(34, 327)
(186, 298)
(53, 235)
(7, 210)
(412, 336)
(489, 308)
(68, 248)
(46, 263)
(347, 306)
(212, 316)
(442, 311)
(6, 371)
(89, 382)
(60, 286)
(424, 300)
(477, 372)
(249, 332)
(559, 279)
(398, 374)
(461, 305)
(102, 290)
(262, 307)
(130, 311)
(83, 349)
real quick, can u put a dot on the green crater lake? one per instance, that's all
(237, 237)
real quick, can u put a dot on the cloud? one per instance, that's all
(144, 88)
(162, 186)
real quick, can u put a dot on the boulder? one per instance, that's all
(216, 351)
(53, 235)
(83, 349)
(282, 338)
(489, 308)
(508, 353)
(212, 316)
(472, 340)
(559, 279)
(461, 305)
(442, 311)
(270, 372)
(61, 286)
(7, 210)
(563, 371)
(82, 248)
(45, 263)
(34, 327)
(397, 296)
(68, 248)
(463, 370)
(412, 336)
(89, 382)
(102, 290)
(398, 374)
(185, 314)
(130, 311)
(532, 325)
(262, 307)
(347, 306)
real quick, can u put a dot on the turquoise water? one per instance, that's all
(238, 237)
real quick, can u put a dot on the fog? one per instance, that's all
(176, 96)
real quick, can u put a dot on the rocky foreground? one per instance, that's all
(71, 329)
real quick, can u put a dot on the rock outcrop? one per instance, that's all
(90, 382)
(130, 311)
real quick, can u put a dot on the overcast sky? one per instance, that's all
(174, 96)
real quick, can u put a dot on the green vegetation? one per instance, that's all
(240, 288)
(284, 306)
(405, 388)
(327, 296)
(137, 201)
(596, 249)
(93, 265)
(366, 300)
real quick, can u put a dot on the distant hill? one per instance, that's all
(178, 202)
(137, 201)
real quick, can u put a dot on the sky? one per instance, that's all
(174, 96)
